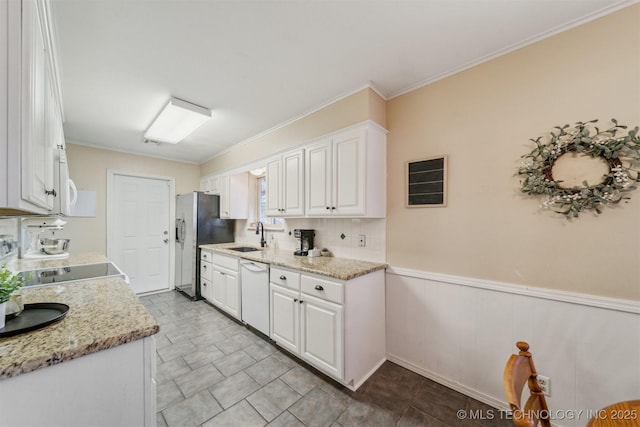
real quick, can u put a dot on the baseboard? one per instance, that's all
(357, 385)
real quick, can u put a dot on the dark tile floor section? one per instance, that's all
(212, 371)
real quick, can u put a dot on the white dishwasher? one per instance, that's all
(254, 278)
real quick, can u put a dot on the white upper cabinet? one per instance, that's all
(285, 185)
(33, 120)
(210, 185)
(234, 196)
(233, 190)
(345, 174)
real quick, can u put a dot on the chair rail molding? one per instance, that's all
(627, 306)
(460, 331)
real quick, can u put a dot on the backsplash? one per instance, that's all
(329, 232)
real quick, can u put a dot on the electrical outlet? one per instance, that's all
(362, 240)
(545, 384)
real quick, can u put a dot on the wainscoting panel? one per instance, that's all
(460, 333)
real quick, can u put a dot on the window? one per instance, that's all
(261, 205)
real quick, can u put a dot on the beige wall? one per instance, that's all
(88, 168)
(483, 119)
(362, 105)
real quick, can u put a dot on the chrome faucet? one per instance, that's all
(259, 227)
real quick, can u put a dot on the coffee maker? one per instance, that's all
(305, 241)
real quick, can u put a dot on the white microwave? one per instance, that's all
(67, 192)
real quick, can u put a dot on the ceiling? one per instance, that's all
(258, 64)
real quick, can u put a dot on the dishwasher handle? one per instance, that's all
(255, 267)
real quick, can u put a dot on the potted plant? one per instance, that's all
(9, 283)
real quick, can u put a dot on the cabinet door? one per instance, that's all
(293, 183)
(318, 179)
(37, 152)
(213, 184)
(349, 169)
(285, 324)
(225, 205)
(274, 187)
(219, 294)
(232, 303)
(321, 336)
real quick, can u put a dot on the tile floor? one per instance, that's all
(212, 371)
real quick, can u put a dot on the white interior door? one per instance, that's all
(139, 232)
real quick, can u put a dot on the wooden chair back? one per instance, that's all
(519, 371)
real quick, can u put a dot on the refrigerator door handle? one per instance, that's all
(180, 230)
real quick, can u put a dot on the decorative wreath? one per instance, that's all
(620, 151)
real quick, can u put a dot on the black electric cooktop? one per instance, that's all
(48, 276)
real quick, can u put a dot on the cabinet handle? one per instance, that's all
(319, 288)
(283, 277)
(51, 192)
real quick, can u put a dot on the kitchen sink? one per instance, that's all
(244, 249)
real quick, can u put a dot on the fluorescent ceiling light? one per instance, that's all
(177, 120)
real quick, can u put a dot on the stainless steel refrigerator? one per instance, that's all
(197, 223)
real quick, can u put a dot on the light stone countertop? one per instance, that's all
(18, 264)
(103, 313)
(337, 268)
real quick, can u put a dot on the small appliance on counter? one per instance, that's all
(36, 246)
(8, 246)
(305, 241)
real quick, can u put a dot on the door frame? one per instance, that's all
(111, 174)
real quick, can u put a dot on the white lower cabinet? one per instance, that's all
(206, 274)
(113, 387)
(336, 326)
(321, 335)
(225, 293)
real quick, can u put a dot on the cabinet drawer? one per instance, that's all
(206, 270)
(325, 289)
(206, 288)
(228, 262)
(206, 255)
(286, 278)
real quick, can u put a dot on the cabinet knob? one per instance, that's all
(204, 266)
(283, 277)
(295, 300)
(319, 288)
(328, 208)
(300, 301)
(204, 284)
(333, 208)
(51, 192)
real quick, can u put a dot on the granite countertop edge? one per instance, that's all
(344, 268)
(64, 356)
(104, 313)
